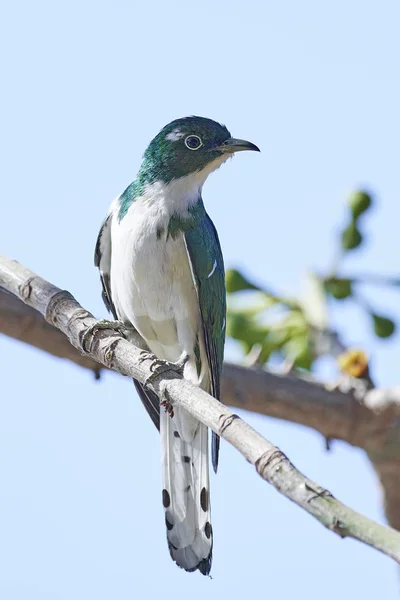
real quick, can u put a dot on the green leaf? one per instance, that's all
(304, 360)
(266, 352)
(383, 326)
(249, 310)
(298, 350)
(351, 237)
(236, 282)
(241, 327)
(339, 288)
(359, 203)
(279, 337)
(236, 325)
(294, 322)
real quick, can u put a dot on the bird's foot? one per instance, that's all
(101, 325)
(159, 365)
(145, 355)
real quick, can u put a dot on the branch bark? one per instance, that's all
(109, 348)
(372, 424)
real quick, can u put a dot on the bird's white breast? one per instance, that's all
(151, 281)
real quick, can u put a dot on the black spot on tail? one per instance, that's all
(205, 565)
(176, 434)
(168, 524)
(186, 459)
(204, 499)
(208, 530)
(166, 500)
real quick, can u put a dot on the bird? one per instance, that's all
(162, 273)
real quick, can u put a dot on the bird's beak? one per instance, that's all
(235, 145)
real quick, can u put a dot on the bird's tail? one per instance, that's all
(184, 443)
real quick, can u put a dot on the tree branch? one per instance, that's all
(61, 310)
(373, 424)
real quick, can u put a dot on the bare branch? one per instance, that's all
(335, 414)
(373, 424)
(109, 348)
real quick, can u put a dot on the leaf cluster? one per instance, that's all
(267, 324)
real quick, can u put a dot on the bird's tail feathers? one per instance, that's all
(184, 443)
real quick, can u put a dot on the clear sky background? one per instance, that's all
(85, 86)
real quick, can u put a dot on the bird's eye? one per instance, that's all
(193, 142)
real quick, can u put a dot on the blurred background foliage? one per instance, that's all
(270, 327)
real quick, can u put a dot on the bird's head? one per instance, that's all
(190, 145)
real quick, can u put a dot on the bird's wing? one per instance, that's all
(207, 266)
(102, 260)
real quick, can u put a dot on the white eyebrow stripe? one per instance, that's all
(174, 135)
(223, 325)
(213, 269)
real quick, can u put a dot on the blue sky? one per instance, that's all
(86, 85)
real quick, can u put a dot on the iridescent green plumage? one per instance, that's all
(166, 158)
(209, 274)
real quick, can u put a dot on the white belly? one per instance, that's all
(151, 281)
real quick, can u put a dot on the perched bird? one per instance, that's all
(162, 272)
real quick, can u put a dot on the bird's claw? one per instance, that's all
(101, 325)
(160, 365)
(169, 409)
(144, 355)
